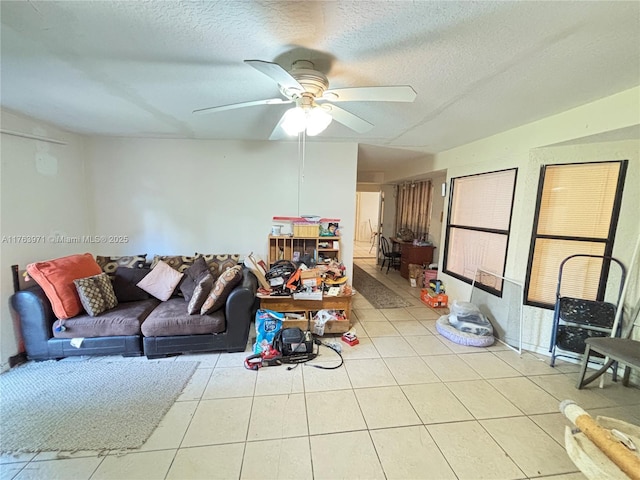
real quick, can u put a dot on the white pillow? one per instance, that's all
(161, 281)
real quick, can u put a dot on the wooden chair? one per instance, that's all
(389, 256)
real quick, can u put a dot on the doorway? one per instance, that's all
(365, 243)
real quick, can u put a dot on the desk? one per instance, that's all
(410, 253)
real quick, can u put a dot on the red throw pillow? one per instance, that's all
(56, 279)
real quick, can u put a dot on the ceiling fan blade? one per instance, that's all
(232, 106)
(276, 73)
(278, 132)
(348, 119)
(398, 93)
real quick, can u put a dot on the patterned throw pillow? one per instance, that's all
(220, 262)
(221, 290)
(178, 262)
(96, 294)
(109, 265)
(200, 294)
(161, 281)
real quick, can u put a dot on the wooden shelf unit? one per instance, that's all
(308, 307)
(285, 247)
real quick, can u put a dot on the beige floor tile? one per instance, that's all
(16, 457)
(211, 462)
(482, 400)
(369, 373)
(336, 411)
(397, 314)
(435, 403)
(345, 455)
(10, 470)
(69, 468)
(271, 417)
(144, 465)
(526, 363)
(365, 315)
(486, 460)
(364, 349)
(219, 421)
(535, 452)
(628, 413)
(450, 368)
(614, 392)
(526, 395)
(230, 382)
(393, 347)
(457, 348)
(278, 380)
(410, 370)
(386, 407)
(206, 360)
(319, 380)
(410, 453)
(232, 359)
(287, 458)
(428, 345)
(566, 476)
(196, 386)
(172, 427)
(380, 329)
(423, 312)
(66, 454)
(489, 366)
(410, 328)
(562, 387)
(553, 424)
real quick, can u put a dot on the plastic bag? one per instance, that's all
(268, 323)
(463, 308)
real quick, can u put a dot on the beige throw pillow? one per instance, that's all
(96, 294)
(200, 294)
(161, 281)
(221, 290)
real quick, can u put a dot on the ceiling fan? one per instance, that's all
(314, 107)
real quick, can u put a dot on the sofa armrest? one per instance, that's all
(36, 320)
(240, 309)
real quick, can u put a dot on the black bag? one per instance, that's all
(293, 341)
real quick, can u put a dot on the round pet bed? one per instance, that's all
(462, 338)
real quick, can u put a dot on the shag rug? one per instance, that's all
(86, 405)
(375, 292)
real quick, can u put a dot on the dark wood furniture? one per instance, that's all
(410, 253)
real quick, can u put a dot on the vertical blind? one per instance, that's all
(575, 211)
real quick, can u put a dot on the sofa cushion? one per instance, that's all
(218, 263)
(109, 265)
(200, 294)
(221, 290)
(125, 282)
(171, 318)
(56, 279)
(125, 319)
(161, 281)
(192, 276)
(96, 294)
(177, 262)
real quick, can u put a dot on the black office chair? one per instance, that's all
(389, 257)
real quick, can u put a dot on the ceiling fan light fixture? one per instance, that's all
(318, 119)
(294, 121)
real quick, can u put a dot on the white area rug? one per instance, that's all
(86, 405)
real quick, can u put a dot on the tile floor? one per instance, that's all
(408, 404)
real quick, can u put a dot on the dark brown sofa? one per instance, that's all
(148, 327)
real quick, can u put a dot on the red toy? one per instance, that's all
(350, 339)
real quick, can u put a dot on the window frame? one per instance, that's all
(507, 232)
(608, 242)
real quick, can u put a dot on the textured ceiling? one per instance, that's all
(136, 68)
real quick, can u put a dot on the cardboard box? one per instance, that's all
(434, 300)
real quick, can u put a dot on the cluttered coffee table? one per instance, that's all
(298, 312)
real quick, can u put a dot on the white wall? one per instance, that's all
(43, 194)
(183, 196)
(437, 219)
(368, 207)
(517, 148)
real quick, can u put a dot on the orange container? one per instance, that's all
(434, 300)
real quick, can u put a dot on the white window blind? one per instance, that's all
(574, 216)
(478, 224)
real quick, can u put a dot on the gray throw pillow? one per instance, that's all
(192, 276)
